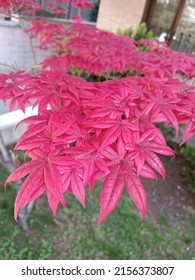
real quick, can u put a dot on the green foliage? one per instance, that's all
(45, 249)
(44, 13)
(188, 151)
(84, 75)
(189, 177)
(188, 170)
(126, 32)
(109, 76)
(141, 32)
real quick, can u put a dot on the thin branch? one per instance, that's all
(3, 149)
(34, 67)
(21, 20)
(33, 50)
(12, 66)
(6, 160)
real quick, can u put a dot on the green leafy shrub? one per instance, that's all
(141, 32)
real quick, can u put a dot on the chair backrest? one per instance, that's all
(12, 118)
(8, 122)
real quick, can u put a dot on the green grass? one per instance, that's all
(74, 234)
(188, 151)
(188, 170)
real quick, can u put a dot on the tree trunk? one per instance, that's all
(8, 160)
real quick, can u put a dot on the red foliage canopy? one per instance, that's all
(102, 130)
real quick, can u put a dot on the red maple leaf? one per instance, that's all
(189, 129)
(164, 102)
(144, 146)
(94, 164)
(114, 128)
(14, 88)
(122, 170)
(44, 175)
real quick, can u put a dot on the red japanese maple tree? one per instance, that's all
(86, 131)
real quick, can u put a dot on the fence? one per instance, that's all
(183, 42)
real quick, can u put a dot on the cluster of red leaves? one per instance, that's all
(89, 131)
(30, 6)
(54, 7)
(86, 131)
(6, 4)
(60, 6)
(47, 33)
(13, 5)
(97, 52)
(85, 4)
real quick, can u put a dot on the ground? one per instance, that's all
(171, 196)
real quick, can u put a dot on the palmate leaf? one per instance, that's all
(111, 192)
(53, 182)
(23, 170)
(72, 181)
(171, 118)
(113, 187)
(189, 129)
(91, 159)
(89, 170)
(45, 132)
(120, 128)
(53, 202)
(143, 147)
(77, 187)
(30, 190)
(37, 125)
(44, 175)
(121, 171)
(136, 192)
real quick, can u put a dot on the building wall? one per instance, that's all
(115, 14)
(15, 48)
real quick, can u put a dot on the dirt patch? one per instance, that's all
(170, 197)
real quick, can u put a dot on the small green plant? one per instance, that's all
(141, 32)
(127, 32)
(45, 249)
